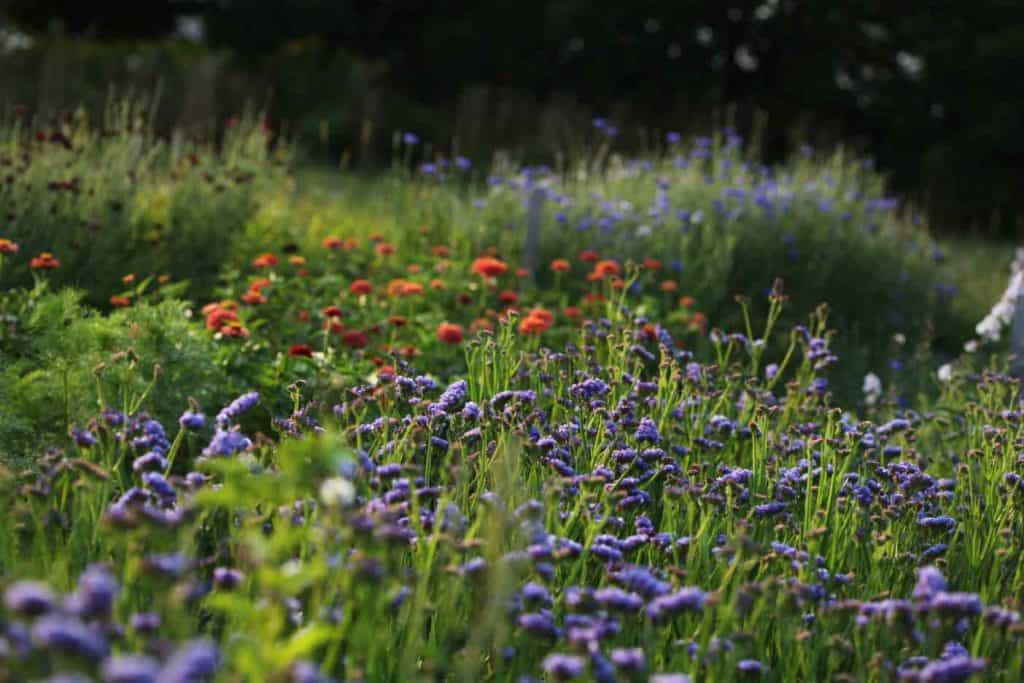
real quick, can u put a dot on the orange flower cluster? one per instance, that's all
(536, 321)
(265, 260)
(488, 266)
(45, 261)
(120, 301)
(221, 317)
(7, 246)
(604, 269)
(404, 288)
(335, 242)
(450, 333)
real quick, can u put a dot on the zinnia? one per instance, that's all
(561, 265)
(120, 301)
(45, 261)
(360, 287)
(7, 246)
(450, 333)
(354, 339)
(266, 260)
(488, 266)
(301, 350)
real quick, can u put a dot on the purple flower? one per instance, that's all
(145, 622)
(647, 431)
(617, 599)
(410, 138)
(83, 437)
(242, 404)
(690, 598)
(563, 667)
(68, 635)
(929, 582)
(192, 420)
(151, 461)
(670, 678)
(629, 659)
(769, 509)
(130, 669)
(750, 667)
(29, 598)
(228, 578)
(94, 596)
(948, 670)
(226, 443)
(194, 661)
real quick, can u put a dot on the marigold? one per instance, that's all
(332, 242)
(7, 246)
(301, 350)
(669, 286)
(561, 265)
(360, 287)
(603, 269)
(385, 249)
(265, 260)
(355, 339)
(331, 311)
(589, 256)
(488, 266)
(45, 261)
(450, 333)
(507, 296)
(120, 301)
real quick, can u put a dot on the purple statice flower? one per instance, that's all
(193, 421)
(145, 622)
(243, 404)
(471, 411)
(130, 669)
(450, 399)
(68, 635)
(940, 522)
(647, 431)
(673, 138)
(94, 595)
(750, 667)
(113, 418)
(563, 667)
(769, 509)
(614, 598)
(83, 437)
(955, 604)
(670, 678)
(690, 598)
(538, 624)
(950, 670)
(149, 462)
(930, 582)
(463, 164)
(159, 485)
(535, 593)
(194, 661)
(153, 438)
(629, 659)
(227, 577)
(227, 442)
(29, 598)
(411, 139)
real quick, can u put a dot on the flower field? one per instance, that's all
(257, 428)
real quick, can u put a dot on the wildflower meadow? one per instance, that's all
(682, 417)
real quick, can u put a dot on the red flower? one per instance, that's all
(218, 315)
(385, 249)
(45, 261)
(265, 260)
(603, 269)
(669, 286)
(413, 269)
(332, 242)
(507, 296)
(441, 251)
(334, 326)
(450, 333)
(233, 328)
(128, 279)
(7, 246)
(686, 301)
(537, 321)
(487, 266)
(332, 312)
(360, 287)
(398, 320)
(355, 339)
(573, 313)
(257, 285)
(522, 272)
(438, 285)
(120, 301)
(303, 316)
(301, 350)
(652, 263)
(561, 265)
(254, 297)
(589, 256)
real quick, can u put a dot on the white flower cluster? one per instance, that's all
(991, 327)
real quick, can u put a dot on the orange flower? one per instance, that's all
(686, 301)
(522, 272)
(542, 314)
(618, 283)
(408, 351)
(385, 249)
(398, 320)
(331, 311)
(698, 321)
(507, 296)
(350, 244)
(589, 256)
(258, 285)
(603, 269)
(376, 237)
(301, 350)
(652, 264)
(332, 242)
(387, 371)
(303, 316)
(450, 333)
(254, 297)
(593, 298)
(360, 287)
(120, 301)
(488, 266)
(532, 325)
(573, 313)
(481, 324)
(413, 269)
(400, 287)
(128, 279)
(669, 286)
(561, 265)
(163, 279)
(355, 339)
(266, 260)
(233, 328)
(45, 261)
(441, 251)
(297, 260)
(438, 285)
(7, 246)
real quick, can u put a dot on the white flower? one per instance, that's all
(337, 492)
(971, 346)
(945, 372)
(643, 231)
(872, 388)
(900, 338)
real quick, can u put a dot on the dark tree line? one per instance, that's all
(931, 88)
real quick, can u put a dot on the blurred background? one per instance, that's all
(930, 90)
